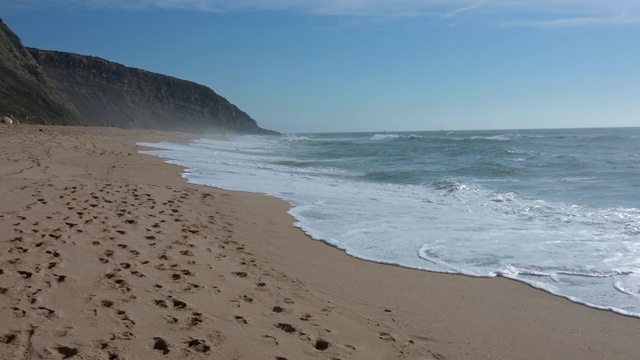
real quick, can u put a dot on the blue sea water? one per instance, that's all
(558, 209)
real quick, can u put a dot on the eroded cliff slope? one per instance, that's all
(51, 87)
(113, 94)
(26, 90)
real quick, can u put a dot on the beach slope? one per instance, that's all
(108, 254)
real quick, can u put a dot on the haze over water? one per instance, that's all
(558, 209)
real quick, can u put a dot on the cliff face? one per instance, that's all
(50, 87)
(113, 94)
(26, 90)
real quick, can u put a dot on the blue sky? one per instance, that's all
(370, 65)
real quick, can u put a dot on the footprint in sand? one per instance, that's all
(187, 253)
(178, 304)
(386, 336)
(288, 328)
(161, 303)
(195, 319)
(123, 335)
(127, 321)
(174, 303)
(161, 345)
(64, 332)
(321, 344)
(25, 274)
(240, 319)
(191, 287)
(198, 346)
(17, 312)
(112, 273)
(66, 351)
(46, 312)
(122, 285)
(241, 274)
(170, 319)
(8, 338)
(187, 272)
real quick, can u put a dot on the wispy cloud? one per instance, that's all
(576, 13)
(538, 13)
(463, 9)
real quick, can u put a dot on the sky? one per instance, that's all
(370, 65)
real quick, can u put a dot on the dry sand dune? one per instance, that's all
(108, 254)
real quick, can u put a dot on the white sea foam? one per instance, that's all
(378, 137)
(589, 255)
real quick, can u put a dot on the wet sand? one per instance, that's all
(108, 254)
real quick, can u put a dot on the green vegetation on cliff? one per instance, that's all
(26, 91)
(51, 87)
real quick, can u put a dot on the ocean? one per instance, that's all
(557, 209)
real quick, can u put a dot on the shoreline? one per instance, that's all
(236, 279)
(242, 178)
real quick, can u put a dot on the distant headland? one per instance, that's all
(57, 88)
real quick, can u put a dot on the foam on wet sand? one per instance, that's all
(109, 254)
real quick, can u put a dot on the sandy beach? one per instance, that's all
(106, 253)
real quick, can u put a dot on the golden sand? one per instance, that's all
(108, 254)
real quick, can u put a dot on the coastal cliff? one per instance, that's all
(58, 88)
(26, 91)
(116, 95)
